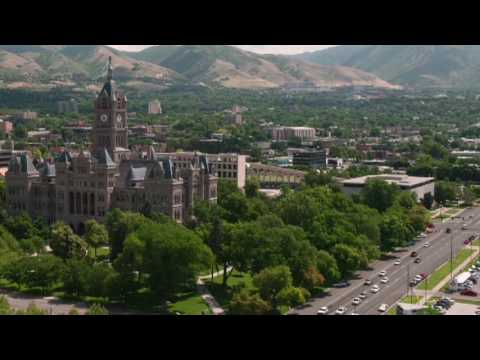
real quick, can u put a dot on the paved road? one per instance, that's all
(432, 257)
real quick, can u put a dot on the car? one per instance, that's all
(426, 245)
(471, 238)
(356, 301)
(354, 313)
(418, 278)
(382, 274)
(469, 293)
(414, 254)
(341, 310)
(342, 284)
(474, 281)
(422, 236)
(323, 311)
(363, 295)
(423, 275)
(367, 282)
(384, 280)
(464, 227)
(375, 289)
(418, 260)
(398, 262)
(413, 283)
(449, 231)
(467, 242)
(383, 308)
(431, 226)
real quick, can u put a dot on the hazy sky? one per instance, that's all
(262, 49)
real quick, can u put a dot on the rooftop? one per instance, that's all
(400, 180)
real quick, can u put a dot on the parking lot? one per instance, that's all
(463, 309)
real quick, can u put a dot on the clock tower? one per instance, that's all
(110, 130)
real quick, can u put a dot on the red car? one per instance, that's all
(467, 242)
(469, 293)
(424, 276)
(431, 226)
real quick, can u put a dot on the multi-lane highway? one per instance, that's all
(439, 252)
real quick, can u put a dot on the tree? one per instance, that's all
(468, 196)
(5, 308)
(291, 297)
(172, 256)
(445, 191)
(97, 309)
(65, 243)
(42, 271)
(75, 277)
(395, 231)
(428, 201)
(252, 188)
(271, 281)
(378, 194)
(327, 266)
(97, 280)
(312, 278)
(348, 258)
(96, 235)
(244, 303)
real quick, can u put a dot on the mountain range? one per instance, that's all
(164, 65)
(443, 66)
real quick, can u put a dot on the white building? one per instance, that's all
(154, 107)
(459, 281)
(419, 185)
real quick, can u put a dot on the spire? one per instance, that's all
(110, 69)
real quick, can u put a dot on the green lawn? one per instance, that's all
(411, 299)
(190, 304)
(392, 311)
(224, 296)
(434, 279)
(476, 242)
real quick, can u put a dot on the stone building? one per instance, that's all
(85, 185)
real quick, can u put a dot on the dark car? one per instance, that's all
(342, 284)
(449, 231)
(418, 260)
(413, 283)
(466, 242)
(414, 254)
(471, 238)
(469, 293)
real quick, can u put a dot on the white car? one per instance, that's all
(375, 289)
(422, 236)
(322, 311)
(356, 301)
(418, 278)
(341, 311)
(384, 280)
(426, 245)
(382, 274)
(363, 295)
(383, 308)
(354, 313)
(398, 262)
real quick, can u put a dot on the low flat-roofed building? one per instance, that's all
(409, 309)
(419, 185)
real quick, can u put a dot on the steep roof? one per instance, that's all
(103, 158)
(136, 174)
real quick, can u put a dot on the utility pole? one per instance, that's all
(451, 258)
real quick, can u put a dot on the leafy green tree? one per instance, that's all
(468, 196)
(42, 271)
(252, 188)
(348, 258)
(428, 201)
(97, 309)
(445, 191)
(271, 281)
(98, 280)
(378, 194)
(244, 303)
(96, 235)
(75, 277)
(291, 297)
(327, 266)
(65, 243)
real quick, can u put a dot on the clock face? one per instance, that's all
(119, 118)
(104, 117)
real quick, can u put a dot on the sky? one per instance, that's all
(261, 49)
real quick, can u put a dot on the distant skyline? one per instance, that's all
(261, 49)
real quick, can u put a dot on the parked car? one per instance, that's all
(426, 245)
(414, 254)
(323, 311)
(383, 308)
(341, 310)
(342, 284)
(422, 236)
(469, 293)
(423, 275)
(413, 283)
(467, 242)
(418, 260)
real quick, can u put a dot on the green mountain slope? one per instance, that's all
(414, 65)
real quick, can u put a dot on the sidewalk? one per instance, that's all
(207, 296)
(437, 289)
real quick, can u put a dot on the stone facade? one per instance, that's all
(85, 185)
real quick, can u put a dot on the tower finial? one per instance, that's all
(110, 70)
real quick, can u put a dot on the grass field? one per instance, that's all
(236, 280)
(434, 279)
(190, 304)
(411, 299)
